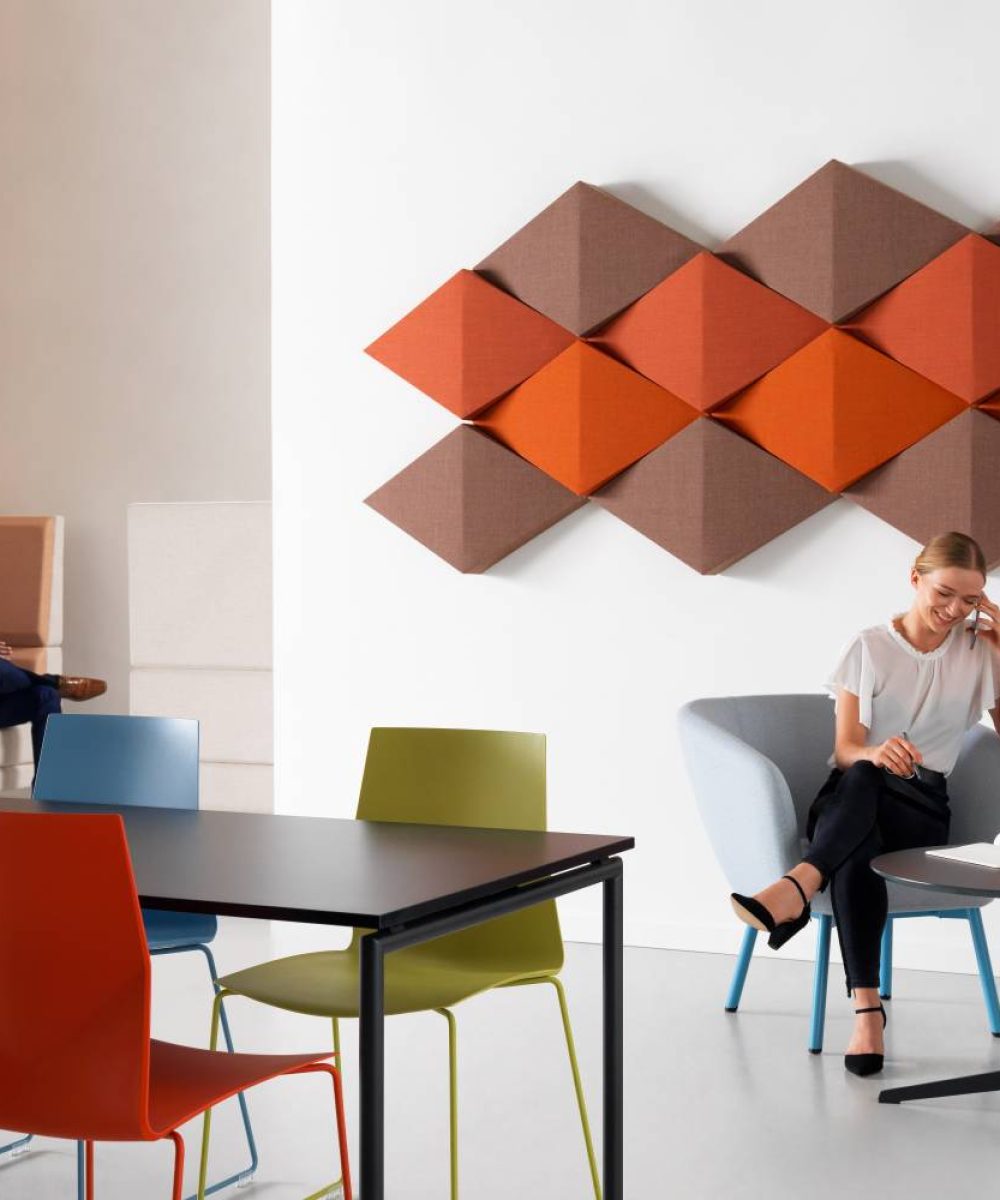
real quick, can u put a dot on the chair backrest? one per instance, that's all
(74, 1005)
(149, 761)
(472, 777)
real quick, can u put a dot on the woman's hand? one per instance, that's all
(988, 622)
(897, 755)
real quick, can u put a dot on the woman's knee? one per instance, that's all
(863, 771)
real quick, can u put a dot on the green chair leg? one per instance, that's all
(328, 1189)
(581, 1100)
(449, 1016)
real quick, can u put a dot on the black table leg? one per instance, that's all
(964, 1085)
(372, 1075)
(613, 1037)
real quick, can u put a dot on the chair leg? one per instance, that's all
(247, 1173)
(178, 1165)
(449, 1016)
(820, 974)
(885, 962)
(581, 1100)
(81, 1171)
(986, 980)
(17, 1146)
(89, 1169)
(740, 972)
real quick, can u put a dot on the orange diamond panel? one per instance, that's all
(584, 417)
(944, 321)
(468, 343)
(838, 409)
(708, 330)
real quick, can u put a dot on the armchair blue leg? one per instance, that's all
(16, 1147)
(986, 980)
(742, 966)
(820, 973)
(885, 962)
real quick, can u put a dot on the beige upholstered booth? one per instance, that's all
(200, 616)
(31, 620)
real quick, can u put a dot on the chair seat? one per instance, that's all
(184, 1080)
(325, 984)
(166, 930)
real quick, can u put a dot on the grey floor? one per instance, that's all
(717, 1105)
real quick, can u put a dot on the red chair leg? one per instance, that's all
(178, 1141)
(89, 1168)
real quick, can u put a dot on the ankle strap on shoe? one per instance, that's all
(874, 1008)
(798, 887)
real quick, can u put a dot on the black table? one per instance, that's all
(406, 883)
(917, 869)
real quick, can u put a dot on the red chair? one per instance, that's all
(76, 1058)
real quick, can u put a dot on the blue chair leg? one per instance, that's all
(986, 980)
(820, 974)
(247, 1173)
(885, 962)
(742, 966)
(17, 1146)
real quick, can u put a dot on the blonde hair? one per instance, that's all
(951, 550)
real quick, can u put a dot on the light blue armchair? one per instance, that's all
(757, 762)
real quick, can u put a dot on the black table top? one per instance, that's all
(916, 868)
(327, 870)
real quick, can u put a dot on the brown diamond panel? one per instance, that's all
(710, 497)
(839, 240)
(707, 330)
(950, 480)
(584, 417)
(944, 321)
(472, 501)
(468, 343)
(585, 257)
(838, 409)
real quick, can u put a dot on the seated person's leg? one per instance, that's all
(69, 687)
(32, 704)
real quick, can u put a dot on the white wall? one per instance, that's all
(134, 279)
(408, 141)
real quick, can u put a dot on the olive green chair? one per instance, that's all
(437, 777)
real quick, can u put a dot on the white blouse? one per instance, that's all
(933, 697)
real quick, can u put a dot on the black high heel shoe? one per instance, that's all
(752, 912)
(866, 1064)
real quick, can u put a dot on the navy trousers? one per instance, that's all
(26, 697)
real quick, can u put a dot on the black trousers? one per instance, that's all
(858, 814)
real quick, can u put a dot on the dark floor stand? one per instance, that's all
(962, 1085)
(374, 948)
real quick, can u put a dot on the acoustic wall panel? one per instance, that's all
(472, 501)
(944, 321)
(667, 332)
(584, 417)
(708, 330)
(949, 480)
(710, 497)
(838, 240)
(838, 409)
(468, 343)
(585, 257)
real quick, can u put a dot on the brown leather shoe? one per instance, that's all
(78, 687)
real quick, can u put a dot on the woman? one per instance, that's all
(906, 692)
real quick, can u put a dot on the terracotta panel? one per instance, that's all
(472, 501)
(708, 330)
(585, 257)
(839, 240)
(944, 321)
(26, 555)
(584, 417)
(838, 409)
(468, 343)
(950, 480)
(710, 497)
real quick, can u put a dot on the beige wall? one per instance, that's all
(134, 278)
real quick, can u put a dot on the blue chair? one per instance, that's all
(149, 761)
(757, 762)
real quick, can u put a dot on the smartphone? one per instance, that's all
(974, 627)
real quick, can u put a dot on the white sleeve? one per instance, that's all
(990, 688)
(855, 673)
